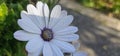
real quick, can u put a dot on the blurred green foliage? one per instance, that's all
(9, 14)
(107, 6)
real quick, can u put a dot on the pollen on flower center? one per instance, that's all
(47, 34)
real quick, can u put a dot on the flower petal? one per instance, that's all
(36, 17)
(47, 50)
(63, 23)
(24, 15)
(34, 44)
(56, 11)
(68, 30)
(24, 36)
(55, 14)
(80, 54)
(56, 50)
(36, 53)
(29, 26)
(41, 19)
(39, 6)
(68, 38)
(64, 46)
(37, 20)
(56, 20)
(32, 10)
(36, 14)
(46, 14)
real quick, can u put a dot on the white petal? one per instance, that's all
(47, 50)
(56, 11)
(39, 21)
(32, 10)
(24, 36)
(68, 38)
(34, 44)
(64, 46)
(63, 23)
(29, 26)
(46, 14)
(56, 50)
(39, 6)
(36, 14)
(80, 54)
(68, 30)
(55, 14)
(24, 15)
(36, 53)
(56, 20)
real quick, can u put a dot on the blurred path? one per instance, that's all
(96, 38)
(108, 21)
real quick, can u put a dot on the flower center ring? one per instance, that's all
(47, 34)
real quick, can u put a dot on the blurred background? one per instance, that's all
(109, 7)
(98, 22)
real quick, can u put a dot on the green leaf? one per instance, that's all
(19, 7)
(3, 12)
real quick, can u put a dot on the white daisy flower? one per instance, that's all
(47, 33)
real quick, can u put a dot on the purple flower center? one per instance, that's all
(47, 34)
